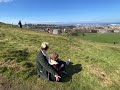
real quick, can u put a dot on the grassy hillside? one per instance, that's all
(96, 66)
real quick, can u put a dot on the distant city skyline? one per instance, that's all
(60, 11)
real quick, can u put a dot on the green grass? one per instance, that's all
(18, 49)
(104, 38)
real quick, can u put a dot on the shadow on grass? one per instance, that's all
(71, 70)
(17, 55)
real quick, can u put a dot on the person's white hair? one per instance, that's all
(44, 44)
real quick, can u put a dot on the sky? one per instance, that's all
(59, 11)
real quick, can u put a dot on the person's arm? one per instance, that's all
(43, 61)
(55, 66)
(48, 68)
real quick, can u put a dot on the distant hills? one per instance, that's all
(2, 23)
(73, 23)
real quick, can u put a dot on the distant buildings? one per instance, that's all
(82, 28)
(56, 31)
(96, 28)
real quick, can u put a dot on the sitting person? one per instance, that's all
(57, 64)
(44, 69)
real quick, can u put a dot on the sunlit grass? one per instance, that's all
(19, 47)
(104, 38)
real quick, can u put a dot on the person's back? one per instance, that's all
(20, 24)
(40, 69)
(44, 69)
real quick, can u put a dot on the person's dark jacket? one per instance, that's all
(44, 69)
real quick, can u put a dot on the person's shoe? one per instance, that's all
(69, 62)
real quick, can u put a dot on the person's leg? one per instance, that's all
(62, 65)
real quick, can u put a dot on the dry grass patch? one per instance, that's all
(74, 48)
(105, 80)
(11, 64)
(4, 83)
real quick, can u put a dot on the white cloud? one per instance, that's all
(5, 1)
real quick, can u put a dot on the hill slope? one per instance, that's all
(96, 66)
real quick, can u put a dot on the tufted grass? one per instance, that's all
(96, 66)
